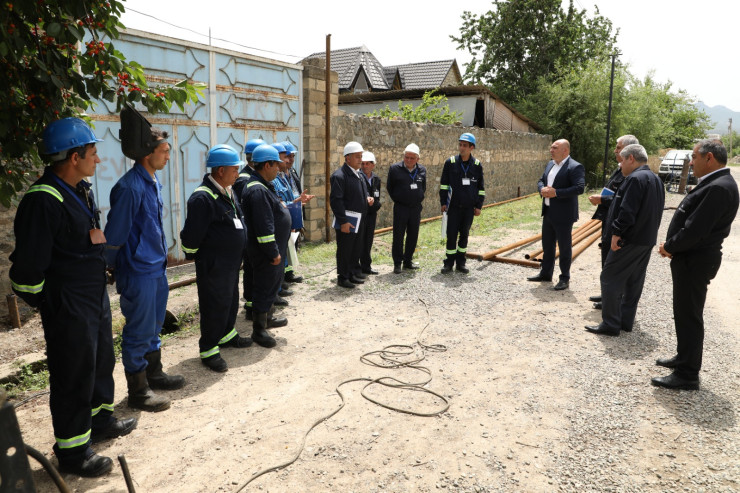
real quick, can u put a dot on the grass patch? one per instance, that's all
(494, 222)
(30, 378)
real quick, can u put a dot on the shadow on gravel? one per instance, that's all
(635, 345)
(543, 292)
(703, 408)
(453, 279)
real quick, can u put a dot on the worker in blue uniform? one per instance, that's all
(239, 185)
(214, 235)
(268, 228)
(137, 253)
(58, 266)
(461, 194)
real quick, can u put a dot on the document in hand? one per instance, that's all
(606, 192)
(354, 219)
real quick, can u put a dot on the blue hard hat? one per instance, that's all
(67, 133)
(222, 155)
(251, 145)
(467, 137)
(264, 153)
(280, 147)
(290, 148)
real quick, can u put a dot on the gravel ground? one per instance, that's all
(536, 403)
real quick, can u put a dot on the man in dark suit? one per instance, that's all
(406, 185)
(561, 184)
(694, 245)
(631, 231)
(349, 201)
(373, 189)
(603, 201)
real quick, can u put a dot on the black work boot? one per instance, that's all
(273, 321)
(259, 331)
(140, 396)
(91, 466)
(115, 428)
(156, 377)
(247, 312)
(216, 363)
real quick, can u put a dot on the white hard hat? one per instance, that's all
(353, 147)
(412, 148)
(368, 156)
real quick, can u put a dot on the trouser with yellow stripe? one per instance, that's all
(217, 278)
(459, 220)
(76, 317)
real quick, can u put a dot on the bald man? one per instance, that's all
(561, 184)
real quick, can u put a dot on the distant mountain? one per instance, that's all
(720, 115)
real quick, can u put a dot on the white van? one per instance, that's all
(673, 163)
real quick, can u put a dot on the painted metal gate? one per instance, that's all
(246, 97)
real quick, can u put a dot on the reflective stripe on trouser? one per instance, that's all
(79, 346)
(459, 220)
(217, 278)
(143, 303)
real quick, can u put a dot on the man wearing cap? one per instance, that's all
(58, 265)
(373, 190)
(268, 228)
(406, 185)
(239, 185)
(349, 202)
(137, 251)
(461, 194)
(562, 182)
(214, 235)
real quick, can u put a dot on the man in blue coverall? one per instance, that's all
(59, 267)
(137, 251)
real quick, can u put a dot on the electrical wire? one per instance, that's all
(390, 358)
(211, 37)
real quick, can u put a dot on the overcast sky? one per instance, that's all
(670, 37)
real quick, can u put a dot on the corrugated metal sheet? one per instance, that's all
(246, 97)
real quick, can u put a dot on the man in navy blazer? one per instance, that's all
(348, 198)
(561, 184)
(694, 245)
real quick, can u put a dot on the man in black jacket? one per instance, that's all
(631, 230)
(373, 190)
(694, 245)
(406, 185)
(461, 194)
(214, 235)
(603, 200)
(349, 202)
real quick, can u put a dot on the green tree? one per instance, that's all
(520, 41)
(573, 107)
(433, 108)
(732, 143)
(56, 58)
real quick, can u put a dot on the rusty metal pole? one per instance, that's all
(327, 137)
(15, 317)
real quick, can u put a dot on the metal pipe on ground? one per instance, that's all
(576, 239)
(436, 218)
(15, 316)
(507, 260)
(586, 243)
(537, 255)
(493, 253)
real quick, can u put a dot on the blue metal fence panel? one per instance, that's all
(246, 97)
